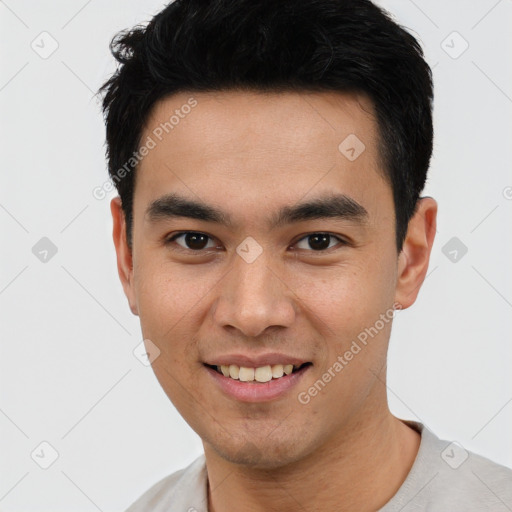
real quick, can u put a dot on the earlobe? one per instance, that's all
(123, 253)
(415, 255)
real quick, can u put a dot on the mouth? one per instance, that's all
(259, 375)
(257, 384)
(255, 377)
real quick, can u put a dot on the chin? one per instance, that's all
(262, 453)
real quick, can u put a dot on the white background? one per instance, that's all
(68, 374)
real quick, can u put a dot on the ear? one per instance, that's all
(124, 254)
(415, 255)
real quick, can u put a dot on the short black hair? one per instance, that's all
(276, 46)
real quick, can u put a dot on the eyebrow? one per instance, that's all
(338, 206)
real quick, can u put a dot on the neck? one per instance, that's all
(360, 468)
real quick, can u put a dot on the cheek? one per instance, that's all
(353, 338)
(167, 293)
(347, 295)
(169, 300)
(345, 303)
(166, 299)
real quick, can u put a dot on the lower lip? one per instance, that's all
(257, 391)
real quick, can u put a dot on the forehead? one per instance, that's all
(234, 117)
(255, 147)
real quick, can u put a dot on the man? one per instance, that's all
(269, 158)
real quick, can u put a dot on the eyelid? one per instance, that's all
(171, 238)
(341, 241)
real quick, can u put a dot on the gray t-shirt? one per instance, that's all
(444, 478)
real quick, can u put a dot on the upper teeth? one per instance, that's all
(260, 374)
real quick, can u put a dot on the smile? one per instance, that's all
(261, 374)
(259, 384)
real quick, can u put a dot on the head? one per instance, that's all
(272, 156)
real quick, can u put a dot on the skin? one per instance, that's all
(250, 154)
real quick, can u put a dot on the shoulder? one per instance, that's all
(446, 476)
(482, 483)
(181, 490)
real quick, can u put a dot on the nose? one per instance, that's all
(253, 297)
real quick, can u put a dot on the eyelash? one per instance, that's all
(172, 239)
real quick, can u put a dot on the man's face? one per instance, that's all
(289, 289)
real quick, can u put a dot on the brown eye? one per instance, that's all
(192, 240)
(319, 241)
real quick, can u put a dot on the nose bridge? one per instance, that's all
(253, 297)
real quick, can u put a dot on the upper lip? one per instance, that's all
(255, 361)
